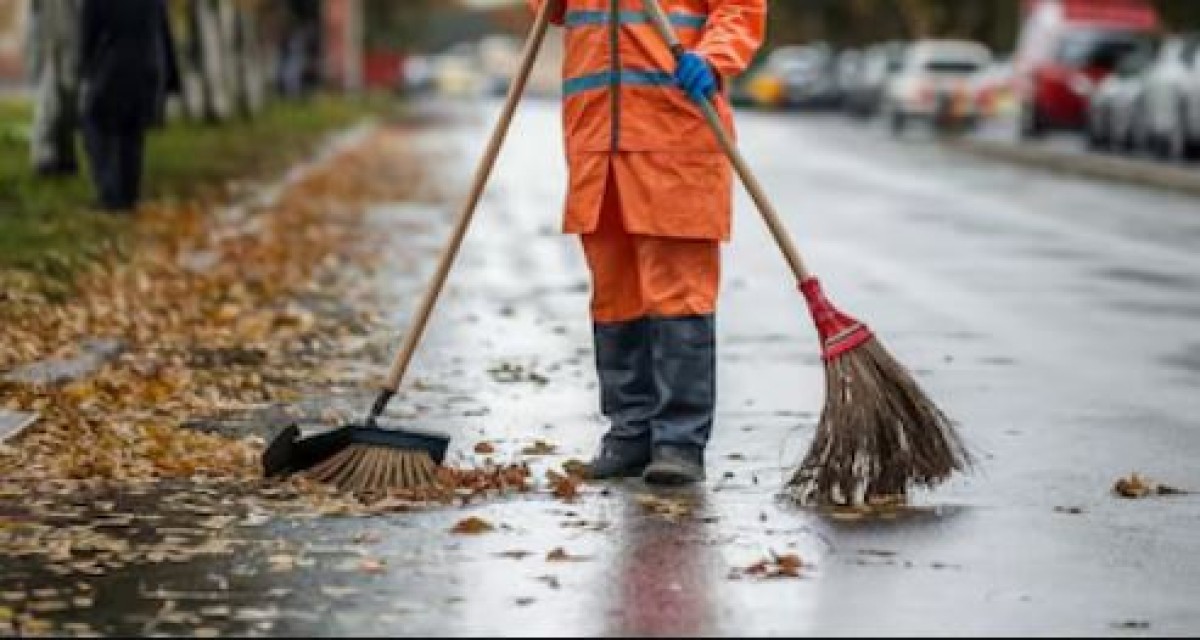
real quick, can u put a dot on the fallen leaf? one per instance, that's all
(1137, 486)
(540, 448)
(564, 487)
(472, 526)
(777, 566)
(561, 555)
(515, 555)
(673, 510)
(576, 468)
(485, 448)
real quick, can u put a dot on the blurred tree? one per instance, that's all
(54, 68)
(1180, 15)
(861, 22)
(222, 65)
(395, 26)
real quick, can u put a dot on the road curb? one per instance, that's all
(1135, 172)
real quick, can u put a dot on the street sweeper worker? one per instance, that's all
(650, 195)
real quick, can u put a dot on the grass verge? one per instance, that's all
(47, 227)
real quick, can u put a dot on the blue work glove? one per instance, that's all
(695, 76)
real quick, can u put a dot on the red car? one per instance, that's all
(1067, 48)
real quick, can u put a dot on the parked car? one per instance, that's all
(878, 64)
(1066, 49)
(416, 75)
(1116, 116)
(1172, 98)
(795, 77)
(992, 90)
(933, 84)
(499, 58)
(847, 66)
(456, 71)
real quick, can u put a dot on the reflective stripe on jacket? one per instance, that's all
(619, 96)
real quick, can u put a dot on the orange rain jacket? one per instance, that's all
(622, 111)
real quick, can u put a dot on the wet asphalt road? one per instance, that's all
(1058, 320)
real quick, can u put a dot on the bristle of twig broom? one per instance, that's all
(879, 433)
(365, 468)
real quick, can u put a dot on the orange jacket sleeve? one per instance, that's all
(558, 13)
(733, 34)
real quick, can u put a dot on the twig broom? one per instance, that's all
(879, 434)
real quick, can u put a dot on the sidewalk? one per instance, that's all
(1069, 156)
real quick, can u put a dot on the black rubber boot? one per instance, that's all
(685, 372)
(628, 397)
(620, 459)
(674, 466)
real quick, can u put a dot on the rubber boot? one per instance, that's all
(685, 374)
(628, 398)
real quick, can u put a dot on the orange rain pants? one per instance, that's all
(643, 276)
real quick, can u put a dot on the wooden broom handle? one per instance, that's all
(413, 338)
(769, 215)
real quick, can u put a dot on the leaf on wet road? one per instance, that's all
(667, 508)
(540, 448)
(560, 555)
(576, 468)
(472, 526)
(1137, 486)
(775, 567)
(564, 487)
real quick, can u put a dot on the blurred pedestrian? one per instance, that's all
(127, 68)
(650, 194)
(295, 62)
(54, 43)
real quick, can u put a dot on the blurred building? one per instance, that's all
(14, 19)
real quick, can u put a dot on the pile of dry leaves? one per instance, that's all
(204, 310)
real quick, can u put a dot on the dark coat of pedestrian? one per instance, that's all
(127, 67)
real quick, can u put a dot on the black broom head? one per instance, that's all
(294, 451)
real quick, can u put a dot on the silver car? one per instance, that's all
(1116, 113)
(1172, 98)
(933, 83)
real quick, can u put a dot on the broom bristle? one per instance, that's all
(362, 468)
(879, 435)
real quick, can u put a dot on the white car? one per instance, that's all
(934, 81)
(1116, 112)
(1172, 100)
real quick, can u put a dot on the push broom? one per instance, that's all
(366, 457)
(879, 434)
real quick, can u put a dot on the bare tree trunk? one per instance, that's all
(251, 78)
(55, 69)
(207, 80)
